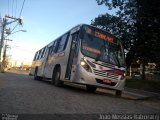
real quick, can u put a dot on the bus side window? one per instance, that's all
(43, 52)
(75, 42)
(66, 36)
(39, 55)
(54, 47)
(50, 50)
(35, 57)
(74, 37)
(62, 43)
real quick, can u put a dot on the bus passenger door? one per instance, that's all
(44, 61)
(72, 60)
(47, 67)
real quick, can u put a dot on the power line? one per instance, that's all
(14, 27)
(22, 7)
(8, 7)
(12, 7)
(16, 11)
(16, 8)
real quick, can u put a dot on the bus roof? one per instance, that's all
(79, 25)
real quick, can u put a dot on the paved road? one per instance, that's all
(19, 93)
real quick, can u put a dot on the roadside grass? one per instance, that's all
(148, 85)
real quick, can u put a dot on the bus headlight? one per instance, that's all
(85, 65)
(123, 76)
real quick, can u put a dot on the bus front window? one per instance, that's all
(101, 49)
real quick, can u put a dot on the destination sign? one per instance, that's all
(101, 35)
(92, 49)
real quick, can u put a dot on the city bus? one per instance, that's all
(83, 55)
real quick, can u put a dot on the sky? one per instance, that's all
(45, 20)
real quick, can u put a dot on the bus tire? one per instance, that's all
(118, 93)
(56, 77)
(91, 88)
(35, 75)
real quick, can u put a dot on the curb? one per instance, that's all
(142, 92)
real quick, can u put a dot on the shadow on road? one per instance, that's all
(100, 91)
(19, 74)
(82, 89)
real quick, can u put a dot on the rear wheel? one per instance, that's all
(118, 93)
(56, 78)
(91, 88)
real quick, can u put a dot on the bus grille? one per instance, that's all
(105, 74)
(104, 64)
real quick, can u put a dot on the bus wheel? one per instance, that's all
(118, 93)
(91, 88)
(56, 78)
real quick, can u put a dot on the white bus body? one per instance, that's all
(84, 55)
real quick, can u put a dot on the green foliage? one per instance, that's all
(137, 24)
(123, 25)
(148, 30)
(116, 26)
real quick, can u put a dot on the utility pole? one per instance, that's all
(4, 62)
(4, 24)
(2, 36)
(4, 57)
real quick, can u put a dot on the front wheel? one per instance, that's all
(91, 88)
(56, 78)
(118, 93)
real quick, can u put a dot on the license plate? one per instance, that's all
(107, 81)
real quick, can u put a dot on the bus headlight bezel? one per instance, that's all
(85, 65)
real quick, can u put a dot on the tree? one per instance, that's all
(139, 28)
(148, 32)
(115, 26)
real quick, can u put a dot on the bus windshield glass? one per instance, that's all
(102, 47)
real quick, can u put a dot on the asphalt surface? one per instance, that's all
(20, 94)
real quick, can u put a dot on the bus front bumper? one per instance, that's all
(88, 78)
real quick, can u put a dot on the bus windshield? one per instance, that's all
(102, 47)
